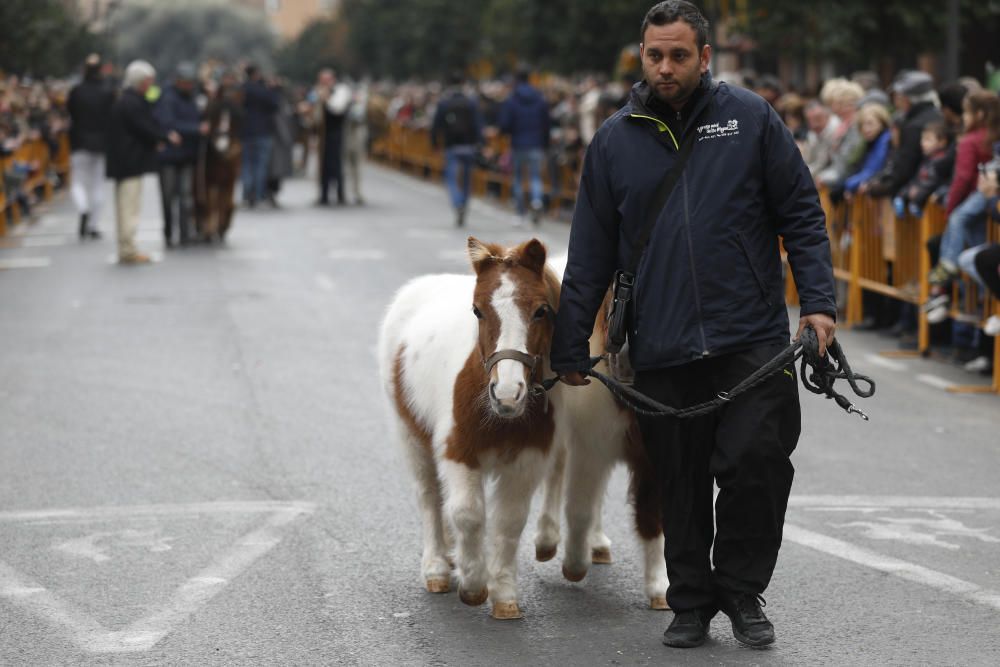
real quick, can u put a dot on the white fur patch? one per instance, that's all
(513, 336)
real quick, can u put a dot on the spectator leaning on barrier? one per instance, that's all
(89, 105)
(176, 110)
(933, 174)
(842, 97)
(986, 259)
(915, 98)
(874, 122)
(458, 127)
(823, 128)
(133, 140)
(966, 208)
(525, 117)
(708, 310)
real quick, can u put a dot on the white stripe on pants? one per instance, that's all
(87, 183)
(128, 198)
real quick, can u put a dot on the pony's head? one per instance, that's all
(515, 301)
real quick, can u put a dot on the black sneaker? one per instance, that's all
(750, 625)
(689, 629)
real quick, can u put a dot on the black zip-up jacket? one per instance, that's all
(710, 281)
(89, 107)
(133, 139)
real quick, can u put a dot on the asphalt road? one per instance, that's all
(195, 469)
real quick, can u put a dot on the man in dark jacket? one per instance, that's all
(914, 97)
(708, 310)
(176, 110)
(260, 103)
(458, 126)
(89, 107)
(132, 144)
(333, 101)
(525, 117)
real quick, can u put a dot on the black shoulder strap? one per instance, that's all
(660, 199)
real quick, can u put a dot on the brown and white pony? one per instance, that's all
(459, 358)
(462, 386)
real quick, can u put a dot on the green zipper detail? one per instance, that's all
(661, 125)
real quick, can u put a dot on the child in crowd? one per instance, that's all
(934, 173)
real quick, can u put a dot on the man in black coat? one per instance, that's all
(915, 98)
(132, 143)
(708, 309)
(89, 107)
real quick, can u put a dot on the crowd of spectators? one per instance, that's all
(29, 110)
(909, 141)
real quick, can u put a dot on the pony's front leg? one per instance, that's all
(516, 484)
(466, 508)
(587, 480)
(547, 535)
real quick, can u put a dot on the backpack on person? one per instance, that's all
(460, 123)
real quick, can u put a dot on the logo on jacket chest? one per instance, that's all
(730, 128)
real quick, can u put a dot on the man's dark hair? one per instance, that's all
(456, 78)
(671, 11)
(251, 70)
(522, 74)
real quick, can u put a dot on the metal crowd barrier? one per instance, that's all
(35, 152)
(874, 250)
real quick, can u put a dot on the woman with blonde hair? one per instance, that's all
(874, 124)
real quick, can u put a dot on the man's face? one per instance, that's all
(671, 61)
(326, 79)
(817, 118)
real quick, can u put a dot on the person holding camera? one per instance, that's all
(707, 310)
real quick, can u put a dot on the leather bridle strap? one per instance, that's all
(531, 361)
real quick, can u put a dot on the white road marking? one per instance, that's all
(907, 502)
(144, 633)
(894, 566)
(43, 241)
(935, 381)
(324, 282)
(24, 263)
(371, 254)
(244, 255)
(879, 360)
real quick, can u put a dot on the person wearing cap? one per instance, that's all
(177, 110)
(132, 143)
(89, 107)
(913, 96)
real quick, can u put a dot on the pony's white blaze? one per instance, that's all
(509, 388)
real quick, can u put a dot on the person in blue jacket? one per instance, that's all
(708, 310)
(260, 104)
(177, 110)
(525, 117)
(875, 124)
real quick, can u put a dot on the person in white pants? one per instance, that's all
(89, 106)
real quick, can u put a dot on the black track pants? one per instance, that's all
(745, 449)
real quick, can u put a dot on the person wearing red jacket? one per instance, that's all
(966, 207)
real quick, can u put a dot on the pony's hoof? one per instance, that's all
(474, 598)
(659, 604)
(543, 554)
(600, 555)
(573, 576)
(437, 584)
(506, 611)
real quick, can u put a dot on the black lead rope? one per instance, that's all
(818, 376)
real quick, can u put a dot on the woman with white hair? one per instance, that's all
(132, 143)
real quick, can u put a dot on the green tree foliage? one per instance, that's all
(855, 33)
(166, 33)
(40, 38)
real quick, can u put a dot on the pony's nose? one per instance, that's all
(507, 399)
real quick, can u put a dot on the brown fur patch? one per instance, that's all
(644, 486)
(403, 408)
(477, 429)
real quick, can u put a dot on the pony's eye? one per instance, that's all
(478, 313)
(542, 312)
